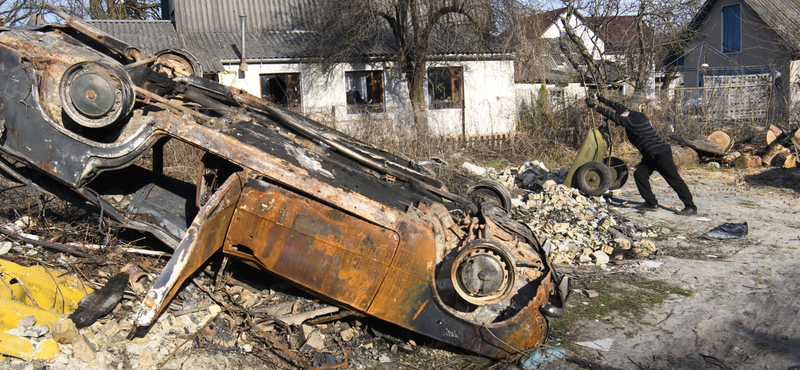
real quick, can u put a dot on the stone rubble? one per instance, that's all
(582, 230)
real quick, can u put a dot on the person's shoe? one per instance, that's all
(647, 207)
(687, 211)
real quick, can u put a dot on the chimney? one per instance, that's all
(166, 10)
(243, 65)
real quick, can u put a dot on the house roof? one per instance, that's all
(537, 24)
(210, 31)
(149, 36)
(551, 65)
(619, 32)
(783, 16)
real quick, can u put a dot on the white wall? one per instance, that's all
(489, 106)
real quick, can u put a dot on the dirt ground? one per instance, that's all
(731, 304)
(743, 309)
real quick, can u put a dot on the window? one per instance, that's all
(282, 89)
(445, 87)
(732, 29)
(364, 91)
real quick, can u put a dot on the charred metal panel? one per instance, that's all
(278, 170)
(168, 202)
(325, 250)
(204, 237)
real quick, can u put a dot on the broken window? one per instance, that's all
(445, 87)
(731, 29)
(364, 91)
(282, 89)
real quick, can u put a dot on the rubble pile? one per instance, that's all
(577, 229)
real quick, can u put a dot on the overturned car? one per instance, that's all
(356, 226)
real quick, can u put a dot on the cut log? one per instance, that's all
(776, 130)
(749, 161)
(730, 157)
(773, 150)
(763, 138)
(691, 155)
(720, 139)
(785, 160)
(678, 155)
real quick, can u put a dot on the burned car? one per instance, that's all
(353, 225)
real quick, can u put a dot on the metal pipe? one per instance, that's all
(243, 64)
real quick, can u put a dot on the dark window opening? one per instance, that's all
(731, 29)
(364, 91)
(282, 89)
(445, 87)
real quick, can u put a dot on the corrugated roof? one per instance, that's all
(212, 47)
(223, 15)
(210, 30)
(149, 36)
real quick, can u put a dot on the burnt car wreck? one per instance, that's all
(356, 226)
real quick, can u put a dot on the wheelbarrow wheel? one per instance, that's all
(593, 178)
(492, 192)
(619, 172)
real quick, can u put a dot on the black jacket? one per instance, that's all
(637, 127)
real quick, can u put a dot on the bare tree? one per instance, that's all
(659, 27)
(411, 29)
(111, 9)
(15, 12)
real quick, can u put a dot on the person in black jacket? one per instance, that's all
(656, 154)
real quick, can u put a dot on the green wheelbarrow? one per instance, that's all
(595, 171)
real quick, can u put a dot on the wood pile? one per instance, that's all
(773, 146)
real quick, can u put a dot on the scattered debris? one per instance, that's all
(727, 230)
(600, 345)
(576, 226)
(541, 356)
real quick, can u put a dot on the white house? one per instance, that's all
(467, 94)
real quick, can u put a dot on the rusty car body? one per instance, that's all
(356, 226)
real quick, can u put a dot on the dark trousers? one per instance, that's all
(661, 162)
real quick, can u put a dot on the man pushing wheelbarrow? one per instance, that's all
(656, 154)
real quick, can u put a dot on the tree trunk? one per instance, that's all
(417, 95)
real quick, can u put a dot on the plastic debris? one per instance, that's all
(601, 344)
(540, 357)
(46, 296)
(727, 230)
